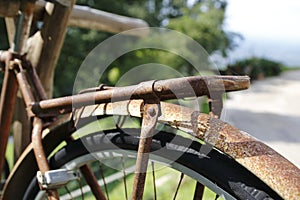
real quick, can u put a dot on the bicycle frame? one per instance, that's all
(20, 73)
(7, 101)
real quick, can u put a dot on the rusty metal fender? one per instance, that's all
(276, 171)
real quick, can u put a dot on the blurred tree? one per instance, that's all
(256, 68)
(203, 20)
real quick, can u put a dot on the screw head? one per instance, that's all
(151, 112)
(159, 88)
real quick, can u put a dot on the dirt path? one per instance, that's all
(270, 111)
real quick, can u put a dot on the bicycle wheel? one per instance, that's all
(111, 155)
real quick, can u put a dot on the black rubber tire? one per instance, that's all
(5, 173)
(217, 167)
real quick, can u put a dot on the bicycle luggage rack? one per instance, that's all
(162, 89)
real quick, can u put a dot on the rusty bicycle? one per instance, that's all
(78, 149)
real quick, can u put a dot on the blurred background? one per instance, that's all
(269, 29)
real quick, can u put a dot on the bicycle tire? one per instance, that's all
(237, 182)
(5, 173)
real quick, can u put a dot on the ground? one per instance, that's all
(270, 111)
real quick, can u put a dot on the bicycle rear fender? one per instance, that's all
(277, 172)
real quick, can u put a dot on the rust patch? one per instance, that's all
(260, 159)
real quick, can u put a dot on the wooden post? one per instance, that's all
(45, 45)
(43, 52)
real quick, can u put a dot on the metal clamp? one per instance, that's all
(56, 178)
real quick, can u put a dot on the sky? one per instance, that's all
(271, 29)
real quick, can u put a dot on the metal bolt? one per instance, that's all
(159, 88)
(151, 112)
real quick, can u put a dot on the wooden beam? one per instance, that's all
(9, 8)
(90, 18)
(86, 17)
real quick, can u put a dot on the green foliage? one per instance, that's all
(256, 68)
(204, 23)
(78, 43)
(202, 20)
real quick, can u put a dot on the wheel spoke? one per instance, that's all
(198, 191)
(153, 177)
(217, 196)
(124, 178)
(80, 186)
(179, 183)
(68, 191)
(103, 178)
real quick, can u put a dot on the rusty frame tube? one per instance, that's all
(25, 88)
(150, 117)
(164, 89)
(7, 102)
(37, 83)
(38, 146)
(39, 153)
